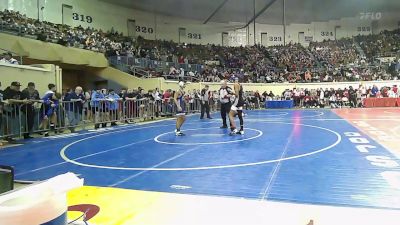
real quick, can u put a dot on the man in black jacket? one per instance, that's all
(13, 97)
(31, 94)
(205, 106)
(352, 97)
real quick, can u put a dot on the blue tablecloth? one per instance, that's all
(278, 104)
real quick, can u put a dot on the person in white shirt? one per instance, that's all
(391, 93)
(224, 95)
(333, 101)
(191, 75)
(288, 94)
(296, 97)
(363, 90)
(172, 71)
(182, 74)
(8, 59)
(156, 95)
(215, 100)
(321, 95)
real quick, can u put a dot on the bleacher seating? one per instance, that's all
(326, 61)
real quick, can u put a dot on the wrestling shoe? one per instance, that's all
(179, 133)
(233, 132)
(241, 132)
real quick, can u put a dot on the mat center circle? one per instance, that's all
(206, 136)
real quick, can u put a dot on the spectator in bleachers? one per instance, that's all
(140, 99)
(151, 106)
(333, 101)
(73, 105)
(130, 98)
(51, 89)
(97, 105)
(104, 114)
(379, 44)
(8, 59)
(287, 94)
(352, 97)
(13, 97)
(31, 94)
(158, 100)
(374, 91)
(391, 93)
(113, 106)
(51, 101)
(324, 61)
(144, 105)
(86, 105)
(308, 102)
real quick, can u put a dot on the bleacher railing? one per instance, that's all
(17, 119)
(157, 65)
(133, 65)
(388, 54)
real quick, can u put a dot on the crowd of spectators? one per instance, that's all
(352, 97)
(380, 44)
(327, 61)
(24, 110)
(79, 37)
(336, 98)
(333, 53)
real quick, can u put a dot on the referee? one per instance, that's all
(205, 102)
(224, 98)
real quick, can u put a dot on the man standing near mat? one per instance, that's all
(237, 108)
(224, 98)
(205, 102)
(180, 105)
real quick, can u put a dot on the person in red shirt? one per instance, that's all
(167, 100)
(385, 92)
(395, 90)
(346, 93)
(166, 95)
(181, 59)
(307, 101)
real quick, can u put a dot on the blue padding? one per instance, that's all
(278, 104)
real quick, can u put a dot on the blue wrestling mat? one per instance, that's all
(303, 156)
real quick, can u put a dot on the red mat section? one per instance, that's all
(381, 124)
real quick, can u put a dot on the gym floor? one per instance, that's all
(342, 158)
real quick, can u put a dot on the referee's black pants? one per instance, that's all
(225, 108)
(353, 102)
(205, 107)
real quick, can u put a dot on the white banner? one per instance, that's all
(212, 63)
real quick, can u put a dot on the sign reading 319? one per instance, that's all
(81, 17)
